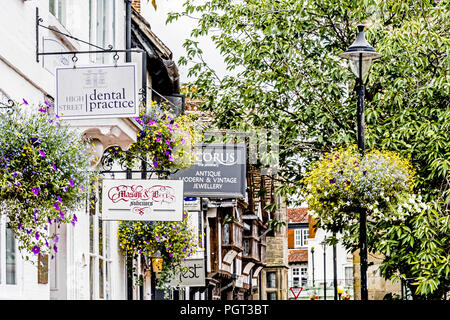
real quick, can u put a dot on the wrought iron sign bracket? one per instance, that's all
(110, 48)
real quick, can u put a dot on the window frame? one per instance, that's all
(99, 262)
(301, 236)
(59, 10)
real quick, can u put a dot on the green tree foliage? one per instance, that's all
(285, 73)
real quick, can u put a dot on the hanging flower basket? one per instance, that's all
(43, 172)
(343, 182)
(165, 141)
(175, 242)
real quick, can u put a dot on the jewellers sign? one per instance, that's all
(219, 170)
(97, 91)
(142, 200)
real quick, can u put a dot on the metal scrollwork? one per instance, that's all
(9, 106)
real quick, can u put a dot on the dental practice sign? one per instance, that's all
(142, 200)
(97, 91)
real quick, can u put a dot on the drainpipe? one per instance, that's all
(128, 29)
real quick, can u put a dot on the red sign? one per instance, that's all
(296, 291)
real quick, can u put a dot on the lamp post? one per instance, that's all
(312, 256)
(360, 55)
(323, 243)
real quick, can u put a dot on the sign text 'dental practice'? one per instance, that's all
(97, 91)
(142, 200)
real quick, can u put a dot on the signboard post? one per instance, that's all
(219, 171)
(97, 91)
(142, 200)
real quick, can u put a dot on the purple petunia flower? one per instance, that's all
(36, 249)
(47, 104)
(42, 110)
(54, 167)
(56, 206)
(171, 158)
(182, 140)
(36, 235)
(25, 101)
(19, 226)
(35, 191)
(61, 214)
(15, 174)
(74, 219)
(158, 139)
(155, 163)
(332, 180)
(55, 248)
(17, 184)
(59, 199)
(42, 153)
(71, 182)
(56, 239)
(29, 231)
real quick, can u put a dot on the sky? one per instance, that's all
(174, 34)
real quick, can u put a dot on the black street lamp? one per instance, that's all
(360, 54)
(312, 256)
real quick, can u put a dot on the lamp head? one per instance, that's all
(360, 54)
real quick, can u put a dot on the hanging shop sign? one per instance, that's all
(97, 91)
(218, 171)
(142, 200)
(193, 275)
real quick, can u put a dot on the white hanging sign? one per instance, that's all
(142, 200)
(97, 91)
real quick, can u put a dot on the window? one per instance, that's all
(301, 237)
(10, 256)
(348, 276)
(271, 280)
(58, 9)
(299, 277)
(102, 26)
(226, 233)
(271, 296)
(99, 251)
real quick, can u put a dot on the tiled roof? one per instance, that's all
(298, 215)
(298, 255)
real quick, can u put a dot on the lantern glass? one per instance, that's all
(354, 66)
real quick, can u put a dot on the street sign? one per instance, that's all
(142, 200)
(296, 291)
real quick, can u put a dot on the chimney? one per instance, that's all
(136, 5)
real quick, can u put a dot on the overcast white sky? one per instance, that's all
(174, 34)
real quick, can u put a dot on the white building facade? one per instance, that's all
(311, 263)
(88, 264)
